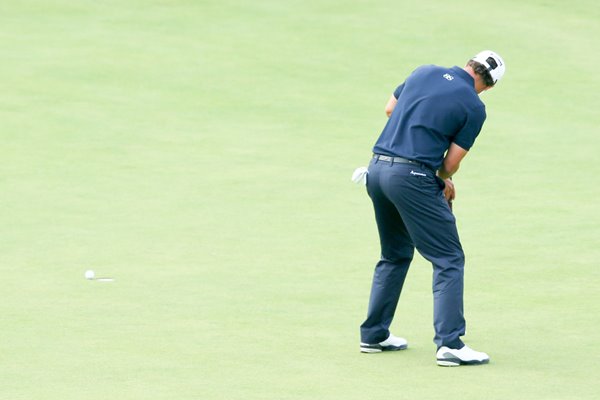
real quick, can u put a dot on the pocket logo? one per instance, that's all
(417, 173)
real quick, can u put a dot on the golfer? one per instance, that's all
(434, 119)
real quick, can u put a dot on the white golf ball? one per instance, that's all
(89, 274)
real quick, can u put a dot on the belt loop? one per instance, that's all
(376, 157)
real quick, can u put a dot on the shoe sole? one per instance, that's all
(376, 348)
(456, 362)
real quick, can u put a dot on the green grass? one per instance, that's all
(200, 153)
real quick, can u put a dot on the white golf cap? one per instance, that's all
(493, 62)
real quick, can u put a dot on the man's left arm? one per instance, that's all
(391, 104)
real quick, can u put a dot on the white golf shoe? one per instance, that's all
(392, 343)
(447, 357)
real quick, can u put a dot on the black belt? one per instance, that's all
(400, 160)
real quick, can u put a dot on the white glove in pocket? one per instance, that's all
(360, 175)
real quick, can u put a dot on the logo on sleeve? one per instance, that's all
(448, 77)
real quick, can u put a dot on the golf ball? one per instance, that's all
(89, 274)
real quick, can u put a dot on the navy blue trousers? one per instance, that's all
(411, 212)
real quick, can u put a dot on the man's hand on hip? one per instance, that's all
(449, 191)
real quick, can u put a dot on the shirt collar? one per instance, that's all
(464, 75)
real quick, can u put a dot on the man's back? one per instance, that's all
(436, 106)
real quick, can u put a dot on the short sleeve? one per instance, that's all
(398, 91)
(466, 136)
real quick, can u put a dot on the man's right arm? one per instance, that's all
(451, 162)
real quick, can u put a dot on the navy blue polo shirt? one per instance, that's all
(436, 106)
